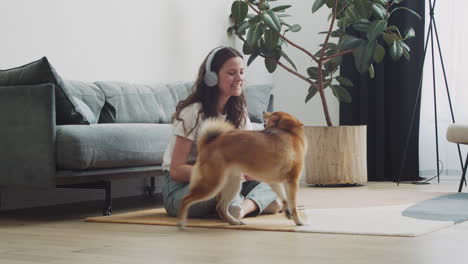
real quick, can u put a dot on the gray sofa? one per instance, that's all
(109, 131)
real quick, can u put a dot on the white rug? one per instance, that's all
(379, 221)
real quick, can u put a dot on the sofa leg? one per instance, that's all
(106, 185)
(149, 190)
(108, 208)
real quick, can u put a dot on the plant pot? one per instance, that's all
(336, 155)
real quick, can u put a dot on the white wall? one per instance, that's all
(143, 41)
(450, 25)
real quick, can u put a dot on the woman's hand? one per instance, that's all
(246, 177)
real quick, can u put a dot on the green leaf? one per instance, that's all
(254, 34)
(252, 57)
(243, 27)
(363, 8)
(363, 56)
(317, 5)
(389, 38)
(371, 71)
(344, 81)
(407, 9)
(406, 54)
(267, 20)
(341, 93)
(350, 42)
(330, 46)
(312, 91)
(313, 72)
(270, 65)
(229, 31)
(330, 3)
(362, 25)
(409, 33)
(271, 39)
(246, 49)
(263, 6)
(403, 44)
(294, 28)
(255, 19)
(375, 29)
(280, 8)
(239, 10)
(286, 57)
(396, 50)
(379, 11)
(331, 66)
(379, 53)
(382, 2)
(275, 19)
(352, 14)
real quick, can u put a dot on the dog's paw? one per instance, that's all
(181, 226)
(301, 223)
(238, 222)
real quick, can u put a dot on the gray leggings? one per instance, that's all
(174, 191)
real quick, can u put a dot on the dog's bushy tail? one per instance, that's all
(211, 129)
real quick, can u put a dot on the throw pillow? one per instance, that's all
(82, 107)
(87, 92)
(41, 72)
(257, 98)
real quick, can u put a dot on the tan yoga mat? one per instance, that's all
(378, 221)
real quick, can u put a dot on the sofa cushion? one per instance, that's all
(41, 72)
(102, 146)
(258, 101)
(169, 96)
(89, 93)
(139, 103)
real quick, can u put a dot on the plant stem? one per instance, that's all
(327, 58)
(330, 29)
(295, 73)
(322, 95)
(320, 65)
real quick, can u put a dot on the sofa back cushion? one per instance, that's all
(42, 72)
(140, 103)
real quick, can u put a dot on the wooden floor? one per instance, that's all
(58, 235)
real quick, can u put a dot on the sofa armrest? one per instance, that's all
(27, 135)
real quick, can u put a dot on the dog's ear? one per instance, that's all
(266, 115)
(288, 122)
(271, 119)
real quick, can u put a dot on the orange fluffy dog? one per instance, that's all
(274, 155)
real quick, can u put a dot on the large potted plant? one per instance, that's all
(336, 154)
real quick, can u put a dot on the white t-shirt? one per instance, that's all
(190, 115)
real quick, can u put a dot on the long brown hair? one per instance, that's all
(208, 96)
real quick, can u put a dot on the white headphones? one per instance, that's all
(211, 78)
